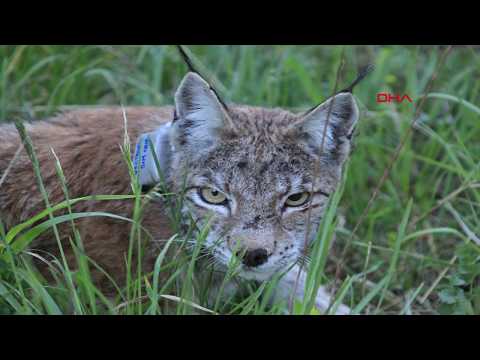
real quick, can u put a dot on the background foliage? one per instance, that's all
(428, 263)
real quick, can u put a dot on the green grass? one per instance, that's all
(415, 252)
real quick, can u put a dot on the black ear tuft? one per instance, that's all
(193, 69)
(361, 75)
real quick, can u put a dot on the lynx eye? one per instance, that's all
(212, 196)
(298, 199)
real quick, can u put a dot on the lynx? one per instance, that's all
(249, 170)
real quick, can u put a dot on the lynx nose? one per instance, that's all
(256, 257)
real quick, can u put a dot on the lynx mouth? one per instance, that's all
(261, 273)
(255, 274)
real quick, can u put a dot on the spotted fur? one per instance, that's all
(256, 156)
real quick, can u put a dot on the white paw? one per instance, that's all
(343, 310)
(323, 301)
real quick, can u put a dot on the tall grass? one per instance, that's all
(415, 251)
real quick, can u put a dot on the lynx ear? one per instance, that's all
(200, 113)
(342, 113)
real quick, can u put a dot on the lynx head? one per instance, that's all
(250, 170)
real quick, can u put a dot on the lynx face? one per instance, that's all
(251, 172)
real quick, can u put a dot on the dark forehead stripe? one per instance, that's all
(267, 165)
(241, 164)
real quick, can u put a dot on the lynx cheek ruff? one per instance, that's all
(144, 161)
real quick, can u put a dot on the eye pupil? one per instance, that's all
(296, 197)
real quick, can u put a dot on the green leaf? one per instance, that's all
(447, 297)
(24, 240)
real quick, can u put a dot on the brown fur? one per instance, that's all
(87, 143)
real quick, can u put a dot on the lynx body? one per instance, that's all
(248, 169)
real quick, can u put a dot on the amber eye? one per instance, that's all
(298, 199)
(212, 196)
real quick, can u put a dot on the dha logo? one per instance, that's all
(388, 98)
